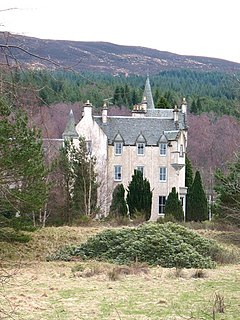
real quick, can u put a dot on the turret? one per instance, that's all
(70, 130)
(148, 94)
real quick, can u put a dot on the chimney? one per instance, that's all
(104, 113)
(87, 109)
(144, 104)
(175, 115)
(184, 106)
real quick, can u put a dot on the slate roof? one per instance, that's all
(167, 113)
(130, 128)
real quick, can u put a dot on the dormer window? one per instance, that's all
(163, 149)
(118, 144)
(140, 148)
(118, 147)
(163, 142)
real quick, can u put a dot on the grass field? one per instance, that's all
(35, 289)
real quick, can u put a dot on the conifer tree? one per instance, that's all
(135, 97)
(188, 173)
(117, 96)
(162, 103)
(199, 105)
(118, 206)
(156, 96)
(188, 179)
(173, 206)
(193, 108)
(228, 189)
(197, 206)
(23, 184)
(139, 195)
(127, 96)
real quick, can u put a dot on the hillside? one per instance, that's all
(103, 56)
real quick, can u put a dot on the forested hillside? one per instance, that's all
(216, 92)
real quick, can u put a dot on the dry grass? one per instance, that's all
(46, 241)
(35, 289)
(50, 290)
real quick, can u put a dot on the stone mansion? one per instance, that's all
(151, 140)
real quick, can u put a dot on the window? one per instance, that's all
(140, 148)
(182, 201)
(181, 151)
(163, 149)
(140, 168)
(118, 148)
(161, 204)
(163, 174)
(118, 173)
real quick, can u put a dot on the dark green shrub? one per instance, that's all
(9, 235)
(168, 245)
(118, 208)
(173, 207)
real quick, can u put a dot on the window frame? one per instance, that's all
(117, 173)
(163, 149)
(161, 204)
(143, 145)
(163, 175)
(116, 148)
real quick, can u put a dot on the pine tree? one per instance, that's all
(199, 105)
(188, 180)
(23, 184)
(127, 96)
(162, 103)
(117, 96)
(188, 173)
(197, 206)
(139, 195)
(134, 99)
(156, 96)
(228, 189)
(118, 206)
(194, 109)
(173, 206)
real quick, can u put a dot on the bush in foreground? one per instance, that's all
(168, 245)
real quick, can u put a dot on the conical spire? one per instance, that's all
(70, 130)
(148, 94)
